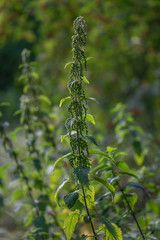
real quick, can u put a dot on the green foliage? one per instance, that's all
(90, 198)
(59, 188)
(112, 232)
(117, 183)
(106, 184)
(82, 174)
(70, 223)
(71, 198)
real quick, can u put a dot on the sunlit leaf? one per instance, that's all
(60, 159)
(70, 223)
(85, 79)
(16, 194)
(67, 64)
(59, 188)
(106, 184)
(63, 100)
(92, 151)
(45, 99)
(112, 231)
(132, 199)
(89, 195)
(90, 118)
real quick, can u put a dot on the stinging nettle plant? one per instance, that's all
(77, 126)
(79, 157)
(98, 215)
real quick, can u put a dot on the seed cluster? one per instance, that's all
(78, 107)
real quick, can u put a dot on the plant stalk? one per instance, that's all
(84, 196)
(132, 212)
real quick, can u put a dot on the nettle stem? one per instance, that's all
(87, 211)
(78, 106)
(130, 208)
(8, 147)
(84, 196)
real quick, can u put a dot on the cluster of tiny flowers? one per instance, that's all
(78, 107)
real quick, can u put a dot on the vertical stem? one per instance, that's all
(84, 196)
(87, 210)
(25, 178)
(132, 212)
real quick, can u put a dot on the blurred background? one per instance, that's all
(123, 41)
(124, 46)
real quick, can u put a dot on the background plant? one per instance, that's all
(124, 68)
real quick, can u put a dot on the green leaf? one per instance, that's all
(70, 223)
(84, 237)
(122, 165)
(88, 58)
(28, 219)
(2, 169)
(137, 185)
(112, 231)
(89, 195)
(45, 99)
(93, 99)
(12, 135)
(110, 149)
(59, 188)
(18, 129)
(130, 174)
(102, 197)
(92, 151)
(35, 75)
(120, 154)
(82, 174)
(85, 79)
(40, 223)
(139, 158)
(90, 118)
(153, 206)
(63, 100)
(67, 64)
(117, 197)
(106, 184)
(87, 219)
(17, 112)
(132, 199)
(16, 194)
(70, 122)
(137, 147)
(71, 198)
(6, 104)
(70, 83)
(43, 202)
(65, 136)
(37, 164)
(91, 139)
(60, 159)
